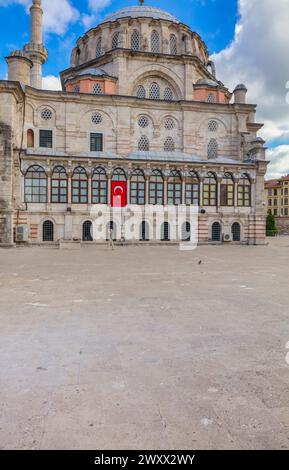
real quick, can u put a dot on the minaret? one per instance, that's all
(35, 50)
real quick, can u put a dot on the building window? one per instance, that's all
(115, 41)
(275, 192)
(48, 231)
(30, 138)
(76, 89)
(135, 41)
(192, 195)
(99, 186)
(275, 202)
(144, 144)
(186, 232)
(236, 232)
(144, 231)
(244, 192)
(98, 47)
(168, 94)
(97, 89)
(270, 192)
(79, 186)
(270, 202)
(173, 44)
(137, 188)
(169, 145)
(141, 93)
(96, 118)
(227, 191)
(211, 98)
(216, 232)
(165, 232)
(155, 91)
(212, 152)
(213, 126)
(174, 189)
(45, 139)
(210, 190)
(46, 114)
(59, 185)
(156, 196)
(143, 121)
(155, 42)
(35, 185)
(169, 124)
(96, 142)
(87, 231)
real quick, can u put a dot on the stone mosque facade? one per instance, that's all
(141, 104)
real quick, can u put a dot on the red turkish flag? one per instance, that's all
(118, 194)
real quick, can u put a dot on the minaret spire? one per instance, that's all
(35, 49)
(141, 2)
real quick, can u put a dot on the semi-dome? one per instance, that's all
(141, 11)
(207, 82)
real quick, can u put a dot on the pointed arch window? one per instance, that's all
(210, 190)
(141, 93)
(59, 185)
(119, 175)
(137, 187)
(30, 138)
(168, 94)
(173, 44)
(227, 190)
(144, 144)
(99, 186)
(192, 189)
(155, 91)
(115, 40)
(79, 186)
(156, 185)
(175, 188)
(35, 185)
(135, 41)
(98, 47)
(244, 191)
(212, 152)
(155, 42)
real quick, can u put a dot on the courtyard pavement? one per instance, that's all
(144, 347)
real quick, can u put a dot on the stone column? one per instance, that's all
(89, 193)
(166, 190)
(69, 190)
(236, 182)
(49, 174)
(201, 190)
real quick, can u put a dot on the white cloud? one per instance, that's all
(258, 57)
(279, 157)
(95, 7)
(58, 14)
(50, 82)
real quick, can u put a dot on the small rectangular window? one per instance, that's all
(45, 139)
(96, 142)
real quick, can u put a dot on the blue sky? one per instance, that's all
(214, 20)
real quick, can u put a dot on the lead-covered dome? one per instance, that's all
(141, 11)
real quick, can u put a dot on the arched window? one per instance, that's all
(144, 231)
(165, 231)
(173, 44)
(227, 190)
(30, 138)
(210, 190)
(135, 41)
(59, 185)
(99, 186)
(156, 196)
(119, 175)
(155, 91)
(216, 232)
(192, 189)
(212, 149)
(48, 231)
(168, 94)
(174, 188)
(35, 185)
(97, 89)
(186, 232)
(236, 232)
(155, 42)
(144, 144)
(87, 231)
(79, 186)
(244, 191)
(98, 47)
(141, 93)
(137, 188)
(115, 41)
(169, 145)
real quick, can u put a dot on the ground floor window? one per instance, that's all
(236, 232)
(144, 231)
(165, 231)
(216, 232)
(48, 231)
(87, 231)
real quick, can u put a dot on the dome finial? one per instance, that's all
(141, 2)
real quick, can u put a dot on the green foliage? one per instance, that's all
(271, 228)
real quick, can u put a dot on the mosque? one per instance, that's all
(140, 108)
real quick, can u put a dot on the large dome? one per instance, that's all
(141, 11)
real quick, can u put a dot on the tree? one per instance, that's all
(271, 228)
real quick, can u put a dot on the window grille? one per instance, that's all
(168, 94)
(45, 139)
(165, 232)
(213, 126)
(154, 91)
(155, 42)
(169, 145)
(143, 121)
(135, 41)
(98, 47)
(212, 149)
(97, 89)
(236, 232)
(169, 124)
(87, 231)
(48, 231)
(76, 89)
(211, 98)
(144, 144)
(141, 93)
(96, 118)
(96, 142)
(46, 114)
(115, 41)
(173, 45)
(216, 232)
